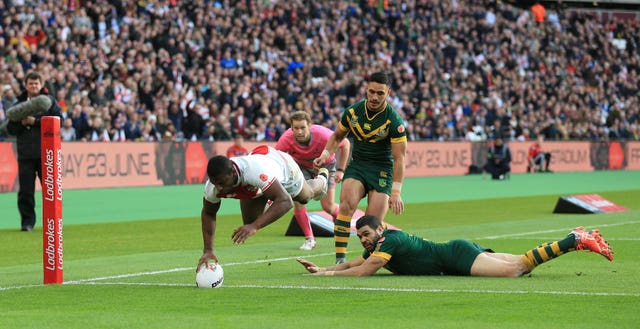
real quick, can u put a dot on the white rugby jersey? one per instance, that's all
(256, 172)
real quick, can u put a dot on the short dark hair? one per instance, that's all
(368, 220)
(33, 75)
(218, 165)
(380, 77)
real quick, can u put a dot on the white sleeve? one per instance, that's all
(210, 192)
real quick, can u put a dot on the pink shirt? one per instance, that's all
(304, 154)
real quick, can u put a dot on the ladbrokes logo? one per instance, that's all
(59, 236)
(53, 187)
(50, 244)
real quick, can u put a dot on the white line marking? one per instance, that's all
(21, 287)
(179, 269)
(469, 291)
(511, 235)
(191, 268)
(550, 238)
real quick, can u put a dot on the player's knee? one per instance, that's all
(303, 201)
(297, 205)
(348, 207)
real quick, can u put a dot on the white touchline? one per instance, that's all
(549, 231)
(191, 268)
(469, 291)
(552, 238)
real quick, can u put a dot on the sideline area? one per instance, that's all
(185, 201)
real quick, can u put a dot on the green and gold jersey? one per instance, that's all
(373, 133)
(412, 255)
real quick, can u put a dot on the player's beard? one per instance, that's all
(371, 247)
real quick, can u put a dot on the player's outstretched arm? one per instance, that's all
(330, 148)
(313, 268)
(208, 223)
(309, 266)
(356, 267)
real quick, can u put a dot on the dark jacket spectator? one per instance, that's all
(192, 123)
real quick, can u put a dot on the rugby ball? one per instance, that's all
(210, 276)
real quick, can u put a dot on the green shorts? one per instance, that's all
(460, 256)
(373, 177)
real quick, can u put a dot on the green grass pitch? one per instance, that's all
(130, 256)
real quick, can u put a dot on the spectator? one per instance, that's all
(170, 133)
(498, 159)
(80, 121)
(149, 134)
(239, 122)
(221, 128)
(151, 128)
(192, 123)
(9, 98)
(133, 126)
(68, 132)
(271, 131)
(237, 149)
(538, 159)
(538, 11)
(175, 114)
(117, 132)
(99, 132)
(227, 61)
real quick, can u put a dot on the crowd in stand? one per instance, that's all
(210, 69)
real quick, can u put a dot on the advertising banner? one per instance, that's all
(632, 155)
(8, 168)
(565, 156)
(102, 165)
(437, 159)
(97, 165)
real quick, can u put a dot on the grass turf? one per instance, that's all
(140, 274)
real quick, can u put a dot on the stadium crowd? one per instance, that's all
(210, 69)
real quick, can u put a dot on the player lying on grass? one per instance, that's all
(264, 175)
(404, 253)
